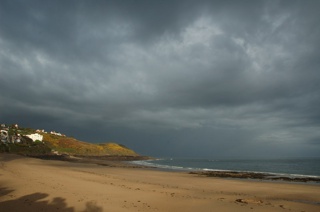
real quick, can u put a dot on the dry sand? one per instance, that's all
(29, 184)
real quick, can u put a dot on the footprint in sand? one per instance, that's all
(247, 201)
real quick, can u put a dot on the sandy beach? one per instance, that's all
(30, 184)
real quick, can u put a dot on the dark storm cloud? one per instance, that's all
(201, 77)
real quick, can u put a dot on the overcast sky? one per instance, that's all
(166, 78)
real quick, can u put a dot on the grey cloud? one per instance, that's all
(239, 76)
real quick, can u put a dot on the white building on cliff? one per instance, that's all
(35, 137)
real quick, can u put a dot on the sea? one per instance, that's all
(289, 167)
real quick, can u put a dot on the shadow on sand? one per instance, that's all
(6, 157)
(35, 202)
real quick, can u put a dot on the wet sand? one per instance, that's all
(30, 184)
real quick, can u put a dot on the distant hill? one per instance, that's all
(75, 147)
(56, 144)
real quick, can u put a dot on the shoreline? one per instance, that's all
(106, 160)
(32, 184)
(257, 176)
(233, 174)
(125, 162)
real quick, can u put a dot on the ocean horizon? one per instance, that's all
(290, 167)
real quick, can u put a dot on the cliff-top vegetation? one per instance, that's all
(55, 144)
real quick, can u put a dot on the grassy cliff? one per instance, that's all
(72, 146)
(62, 145)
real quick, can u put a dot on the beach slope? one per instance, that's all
(30, 184)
